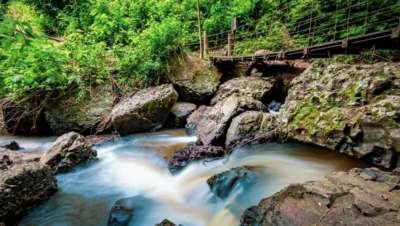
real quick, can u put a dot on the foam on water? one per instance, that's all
(137, 166)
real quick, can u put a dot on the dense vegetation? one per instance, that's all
(129, 42)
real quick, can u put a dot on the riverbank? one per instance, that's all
(352, 109)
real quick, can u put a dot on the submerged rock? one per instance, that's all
(179, 113)
(212, 130)
(253, 126)
(22, 188)
(166, 223)
(352, 109)
(72, 115)
(222, 184)
(195, 80)
(68, 151)
(9, 158)
(188, 154)
(261, 89)
(10, 145)
(127, 210)
(344, 198)
(144, 111)
(196, 118)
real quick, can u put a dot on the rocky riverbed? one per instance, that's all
(349, 109)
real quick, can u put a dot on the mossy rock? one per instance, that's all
(82, 116)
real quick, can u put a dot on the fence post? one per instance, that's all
(366, 18)
(230, 45)
(348, 18)
(205, 43)
(311, 19)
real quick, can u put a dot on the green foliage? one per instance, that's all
(130, 42)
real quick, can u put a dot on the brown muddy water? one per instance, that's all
(136, 166)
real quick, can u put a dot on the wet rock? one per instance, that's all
(178, 115)
(196, 118)
(127, 210)
(22, 188)
(68, 151)
(222, 184)
(145, 110)
(195, 80)
(188, 154)
(70, 115)
(212, 130)
(274, 106)
(261, 89)
(10, 145)
(166, 223)
(352, 109)
(94, 140)
(253, 126)
(9, 158)
(342, 198)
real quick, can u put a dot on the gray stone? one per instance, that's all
(68, 151)
(22, 188)
(144, 111)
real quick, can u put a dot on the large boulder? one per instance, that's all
(10, 158)
(188, 154)
(22, 188)
(353, 109)
(178, 115)
(212, 130)
(195, 80)
(195, 119)
(262, 89)
(357, 197)
(253, 126)
(72, 115)
(68, 151)
(223, 183)
(145, 110)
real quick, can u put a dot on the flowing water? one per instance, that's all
(136, 166)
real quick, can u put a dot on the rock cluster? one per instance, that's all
(352, 109)
(358, 197)
(68, 151)
(145, 110)
(23, 188)
(212, 130)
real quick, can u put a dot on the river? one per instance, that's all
(136, 166)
